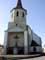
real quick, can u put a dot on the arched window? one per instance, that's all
(16, 24)
(34, 49)
(22, 14)
(17, 14)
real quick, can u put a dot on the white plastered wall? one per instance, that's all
(5, 41)
(38, 49)
(25, 42)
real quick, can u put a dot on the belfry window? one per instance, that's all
(22, 14)
(17, 14)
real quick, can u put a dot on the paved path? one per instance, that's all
(34, 58)
(19, 56)
(38, 58)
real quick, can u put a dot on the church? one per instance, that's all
(19, 37)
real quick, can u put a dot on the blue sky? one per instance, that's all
(35, 16)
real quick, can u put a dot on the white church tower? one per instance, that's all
(18, 16)
(16, 34)
(19, 37)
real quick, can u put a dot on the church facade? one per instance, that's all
(19, 37)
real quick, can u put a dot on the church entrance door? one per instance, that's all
(9, 50)
(21, 50)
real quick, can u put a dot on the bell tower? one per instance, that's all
(18, 15)
(15, 34)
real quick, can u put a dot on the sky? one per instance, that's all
(35, 16)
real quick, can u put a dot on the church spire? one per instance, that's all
(19, 4)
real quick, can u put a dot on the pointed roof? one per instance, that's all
(19, 4)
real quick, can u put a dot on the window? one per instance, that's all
(17, 14)
(16, 37)
(34, 49)
(16, 24)
(22, 14)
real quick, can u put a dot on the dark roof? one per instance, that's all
(19, 6)
(34, 43)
